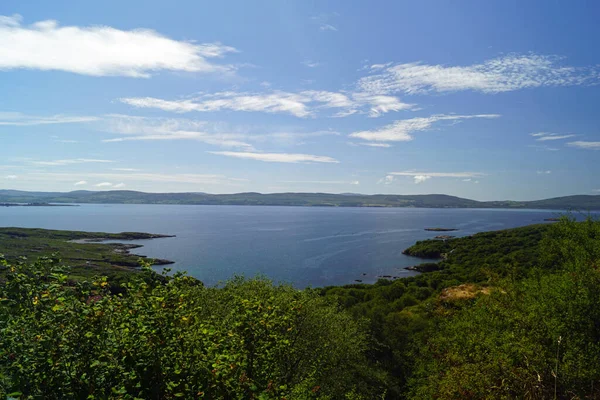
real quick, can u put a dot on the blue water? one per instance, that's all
(301, 245)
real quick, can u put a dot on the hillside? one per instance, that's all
(579, 202)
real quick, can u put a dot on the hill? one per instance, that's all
(578, 202)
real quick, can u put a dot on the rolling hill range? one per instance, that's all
(578, 202)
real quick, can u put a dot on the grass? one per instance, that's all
(82, 251)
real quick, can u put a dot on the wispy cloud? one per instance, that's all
(323, 21)
(384, 145)
(69, 161)
(104, 184)
(101, 50)
(80, 183)
(543, 147)
(311, 64)
(546, 172)
(278, 157)
(20, 119)
(144, 128)
(547, 136)
(11, 177)
(502, 74)
(323, 182)
(119, 185)
(420, 177)
(125, 169)
(387, 180)
(301, 104)
(402, 130)
(218, 134)
(580, 144)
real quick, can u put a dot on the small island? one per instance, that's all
(441, 229)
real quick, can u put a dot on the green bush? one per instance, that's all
(171, 337)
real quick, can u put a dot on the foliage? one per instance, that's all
(537, 337)
(171, 337)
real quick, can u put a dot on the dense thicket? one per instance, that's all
(174, 338)
(536, 338)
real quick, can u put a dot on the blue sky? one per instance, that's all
(485, 100)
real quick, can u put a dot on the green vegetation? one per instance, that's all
(78, 250)
(506, 314)
(486, 322)
(582, 202)
(174, 338)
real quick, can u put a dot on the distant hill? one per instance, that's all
(579, 202)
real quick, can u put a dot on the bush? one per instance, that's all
(170, 337)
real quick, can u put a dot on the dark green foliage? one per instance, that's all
(536, 338)
(173, 338)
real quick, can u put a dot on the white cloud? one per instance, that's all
(502, 74)
(143, 128)
(219, 134)
(400, 131)
(327, 27)
(101, 50)
(467, 180)
(301, 104)
(11, 177)
(119, 185)
(80, 183)
(20, 119)
(585, 145)
(70, 161)
(278, 157)
(324, 182)
(104, 184)
(381, 104)
(324, 21)
(125, 169)
(420, 177)
(547, 172)
(387, 180)
(543, 147)
(546, 136)
(438, 174)
(311, 64)
(385, 145)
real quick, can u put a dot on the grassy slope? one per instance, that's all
(86, 259)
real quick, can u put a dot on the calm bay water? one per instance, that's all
(302, 245)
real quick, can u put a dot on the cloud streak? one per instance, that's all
(278, 157)
(501, 74)
(101, 50)
(218, 134)
(420, 177)
(301, 104)
(547, 136)
(402, 130)
(580, 144)
(20, 119)
(70, 161)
